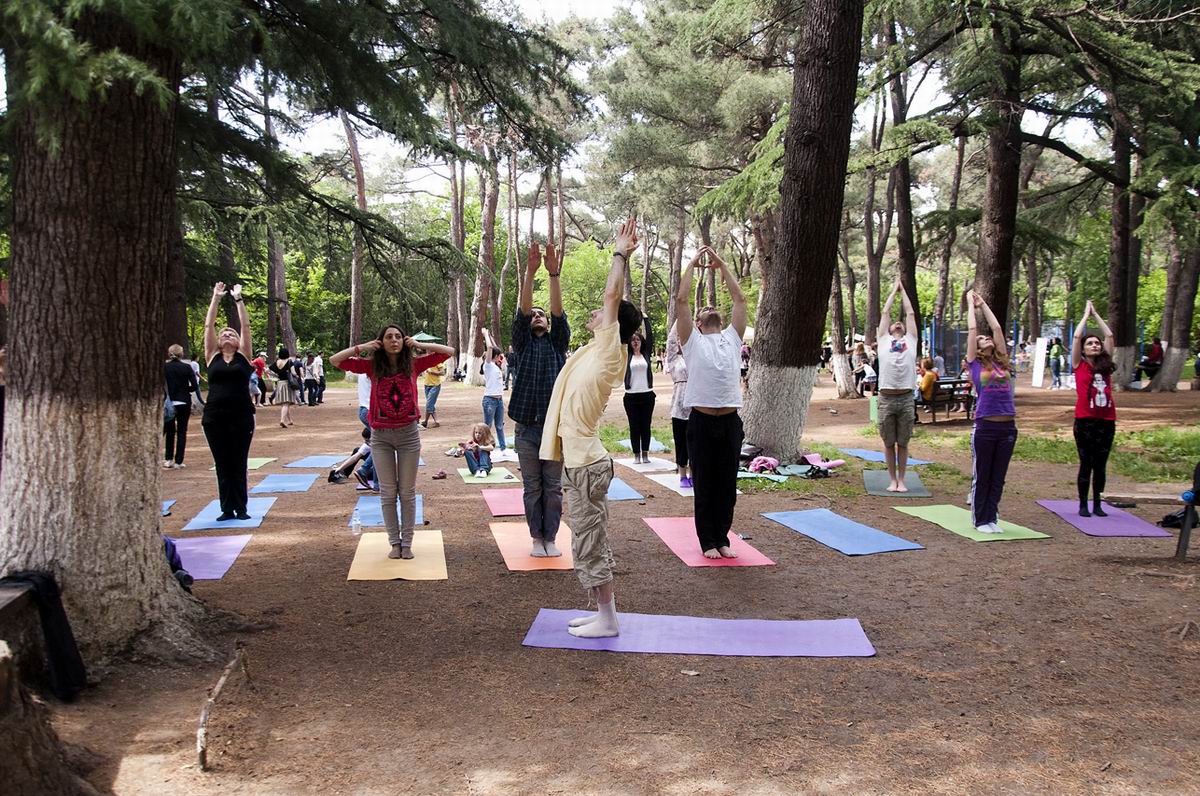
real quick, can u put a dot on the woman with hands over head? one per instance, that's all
(393, 362)
(1095, 412)
(995, 434)
(228, 419)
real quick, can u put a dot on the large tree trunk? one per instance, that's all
(1122, 278)
(842, 375)
(906, 248)
(356, 252)
(875, 245)
(791, 320)
(272, 299)
(943, 292)
(851, 291)
(676, 263)
(1177, 342)
(485, 273)
(998, 225)
(1033, 285)
(175, 302)
(87, 408)
(274, 245)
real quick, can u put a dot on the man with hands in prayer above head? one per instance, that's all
(571, 434)
(714, 393)
(897, 369)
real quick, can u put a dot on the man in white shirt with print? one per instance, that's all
(897, 369)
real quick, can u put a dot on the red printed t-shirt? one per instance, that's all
(393, 398)
(1093, 394)
(259, 366)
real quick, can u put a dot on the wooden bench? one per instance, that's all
(948, 393)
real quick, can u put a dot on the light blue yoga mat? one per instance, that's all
(316, 462)
(370, 511)
(876, 456)
(257, 508)
(619, 490)
(655, 445)
(842, 534)
(166, 507)
(284, 482)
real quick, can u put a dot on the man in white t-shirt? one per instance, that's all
(714, 392)
(897, 369)
(493, 389)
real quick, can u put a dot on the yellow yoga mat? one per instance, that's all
(514, 542)
(371, 560)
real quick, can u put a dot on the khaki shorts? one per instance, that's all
(586, 492)
(896, 416)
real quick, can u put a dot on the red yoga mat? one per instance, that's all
(505, 502)
(680, 535)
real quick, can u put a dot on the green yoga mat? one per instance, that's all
(958, 520)
(876, 482)
(498, 475)
(769, 476)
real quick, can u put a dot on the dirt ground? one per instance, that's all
(1049, 666)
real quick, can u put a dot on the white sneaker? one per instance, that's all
(983, 529)
(995, 527)
(480, 474)
(168, 464)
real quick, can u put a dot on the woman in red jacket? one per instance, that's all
(1095, 412)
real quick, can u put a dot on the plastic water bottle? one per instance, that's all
(356, 523)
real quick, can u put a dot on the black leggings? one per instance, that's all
(639, 407)
(679, 429)
(229, 441)
(1093, 440)
(715, 443)
(175, 431)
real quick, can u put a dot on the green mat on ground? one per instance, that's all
(769, 476)
(876, 483)
(498, 475)
(958, 520)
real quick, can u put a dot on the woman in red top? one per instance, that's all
(1095, 413)
(393, 416)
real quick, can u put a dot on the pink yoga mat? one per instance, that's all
(680, 535)
(1117, 523)
(505, 502)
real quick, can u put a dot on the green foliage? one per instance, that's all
(584, 275)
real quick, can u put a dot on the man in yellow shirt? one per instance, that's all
(572, 435)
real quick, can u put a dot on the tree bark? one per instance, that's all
(851, 290)
(356, 252)
(676, 263)
(906, 249)
(175, 303)
(485, 273)
(998, 224)
(1122, 279)
(842, 375)
(1177, 343)
(274, 246)
(791, 320)
(88, 407)
(943, 292)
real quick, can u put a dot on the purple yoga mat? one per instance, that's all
(1117, 523)
(693, 635)
(210, 557)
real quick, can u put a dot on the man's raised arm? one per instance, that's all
(624, 245)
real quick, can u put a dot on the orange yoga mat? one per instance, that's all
(514, 542)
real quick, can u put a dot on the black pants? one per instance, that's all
(1093, 440)
(679, 429)
(175, 431)
(714, 447)
(229, 441)
(310, 388)
(639, 408)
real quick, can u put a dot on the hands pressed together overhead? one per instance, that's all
(536, 259)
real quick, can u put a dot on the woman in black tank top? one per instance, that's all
(229, 414)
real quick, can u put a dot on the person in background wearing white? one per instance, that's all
(493, 389)
(639, 392)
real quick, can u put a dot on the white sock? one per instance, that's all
(551, 550)
(587, 620)
(603, 625)
(539, 549)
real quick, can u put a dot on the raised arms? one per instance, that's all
(1110, 342)
(683, 302)
(738, 316)
(624, 245)
(910, 315)
(210, 323)
(244, 321)
(885, 316)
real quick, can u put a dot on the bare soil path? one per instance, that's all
(1044, 666)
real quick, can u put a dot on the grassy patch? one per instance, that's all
(611, 435)
(841, 486)
(943, 472)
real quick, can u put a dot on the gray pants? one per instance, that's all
(542, 480)
(396, 453)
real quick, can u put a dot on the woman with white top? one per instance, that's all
(493, 389)
(680, 411)
(639, 392)
(714, 393)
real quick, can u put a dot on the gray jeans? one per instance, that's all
(396, 453)
(542, 480)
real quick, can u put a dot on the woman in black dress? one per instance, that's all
(228, 414)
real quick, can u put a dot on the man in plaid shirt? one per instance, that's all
(540, 348)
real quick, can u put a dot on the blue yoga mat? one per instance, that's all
(284, 482)
(876, 456)
(655, 445)
(316, 462)
(619, 490)
(370, 511)
(166, 507)
(257, 508)
(844, 535)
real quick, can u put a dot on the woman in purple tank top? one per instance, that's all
(995, 432)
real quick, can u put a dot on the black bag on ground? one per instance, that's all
(1173, 520)
(67, 674)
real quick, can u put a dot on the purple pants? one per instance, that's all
(992, 446)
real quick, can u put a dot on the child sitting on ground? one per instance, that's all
(478, 450)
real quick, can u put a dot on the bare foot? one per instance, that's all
(892, 487)
(711, 554)
(726, 552)
(900, 487)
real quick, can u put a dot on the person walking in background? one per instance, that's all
(539, 343)
(393, 368)
(1095, 412)
(432, 382)
(680, 411)
(714, 393)
(287, 384)
(493, 389)
(311, 381)
(1056, 355)
(639, 392)
(228, 419)
(260, 368)
(319, 364)
(181, 383)
(995, 434)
